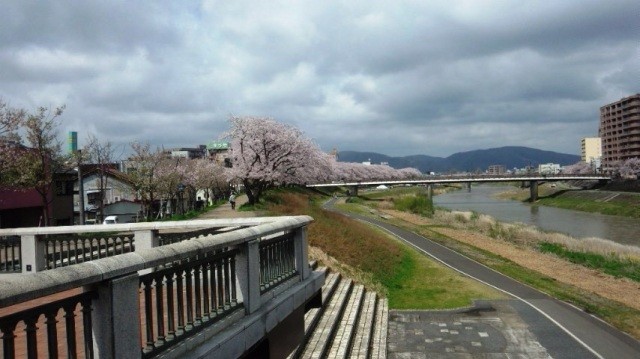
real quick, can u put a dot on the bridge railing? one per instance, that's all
(139, 304)
(31, 250)
(482, 177)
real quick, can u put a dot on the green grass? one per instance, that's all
(191, 214)
(611, 266)
(391, 192)
(625, 318)
(409, 279)
(587, 205)
(418, 204)
(418, 282)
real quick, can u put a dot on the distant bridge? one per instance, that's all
(532, 179)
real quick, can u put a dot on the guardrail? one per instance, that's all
(140, 303)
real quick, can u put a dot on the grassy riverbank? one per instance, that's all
(515, 250)
(591, 274)
(626, 204)
(388, 266)
(377, 260)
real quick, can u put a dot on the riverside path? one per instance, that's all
(564, 330)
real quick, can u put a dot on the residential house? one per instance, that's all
(106, 192)
(22, 207)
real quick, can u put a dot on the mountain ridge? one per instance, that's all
(508, 156)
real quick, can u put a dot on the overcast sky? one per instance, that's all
(396, 77)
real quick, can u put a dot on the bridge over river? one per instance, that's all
(532, 180)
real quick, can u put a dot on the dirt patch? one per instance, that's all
(619, 289)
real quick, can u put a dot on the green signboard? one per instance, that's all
(218, 145)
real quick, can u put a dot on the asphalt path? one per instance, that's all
(566, 331)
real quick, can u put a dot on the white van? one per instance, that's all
(110, 220)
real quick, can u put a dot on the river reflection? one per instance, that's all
(577, 224)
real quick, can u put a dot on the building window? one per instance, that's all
(94, 198)
(64, 188)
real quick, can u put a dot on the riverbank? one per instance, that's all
(513, 250)
(378, 260)
(614, 203)
(381, 263)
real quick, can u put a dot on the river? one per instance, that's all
(577, 224)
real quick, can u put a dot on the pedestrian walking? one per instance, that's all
(232, 200)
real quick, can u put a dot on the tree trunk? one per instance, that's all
(249, 189)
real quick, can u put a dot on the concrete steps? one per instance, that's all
(364, 330)
(351, 323)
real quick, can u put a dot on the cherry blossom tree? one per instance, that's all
(210, 177)
(267, 153)
(358, 172)
(168, 175)
(410, 173)
(33, 166)
(102, 154)
(10, 120)
(578, 168)
(630, 168)
(143, 171)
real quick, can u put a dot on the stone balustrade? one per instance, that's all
(155, 289)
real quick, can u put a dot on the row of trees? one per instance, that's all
(266, 153)
(155, 177)
(629, 168)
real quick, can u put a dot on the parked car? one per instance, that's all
(110, 220)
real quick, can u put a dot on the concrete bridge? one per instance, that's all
(202, 288)
(532, 181)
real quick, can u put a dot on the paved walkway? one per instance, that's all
(499, 329)
(225, 211)
(563, 330)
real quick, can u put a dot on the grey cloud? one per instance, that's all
(87, 26)
(395, 77)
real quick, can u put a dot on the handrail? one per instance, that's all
(22, 287)
(142, 226)
(169, 293)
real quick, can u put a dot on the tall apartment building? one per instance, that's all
(620, 131)
(591, 149)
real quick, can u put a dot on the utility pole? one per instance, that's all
(77, 154)
(80, 187)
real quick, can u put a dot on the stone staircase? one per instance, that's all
(352, 323)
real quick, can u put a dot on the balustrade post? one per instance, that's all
(32, 256)
(301, 252)
(248, 275)
(146, 239)
(116, 318)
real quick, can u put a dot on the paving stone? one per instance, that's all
(461, 334)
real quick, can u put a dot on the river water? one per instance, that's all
(574, 223)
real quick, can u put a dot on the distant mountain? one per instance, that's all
(510, 157)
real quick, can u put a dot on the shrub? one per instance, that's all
(415, 204)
